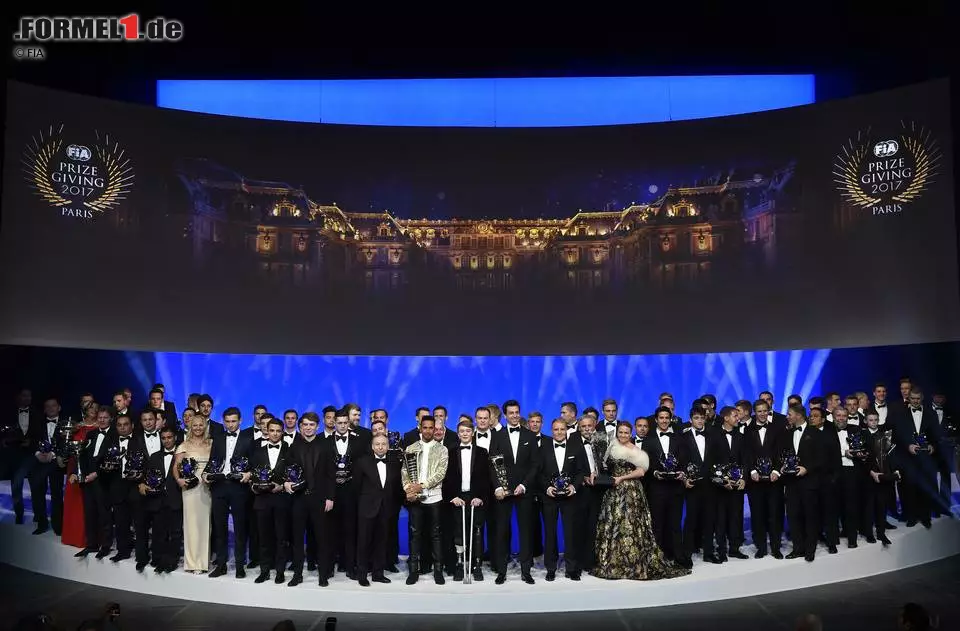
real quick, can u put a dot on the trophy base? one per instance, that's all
(216, 477)
(764, 478)
(132, 476)
(296, 487)
(192, 483)
(260, 487)
(235, 477)
(670, 475)
(154, 492)
(790, 472)
(344, 480)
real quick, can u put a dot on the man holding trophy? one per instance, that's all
(163, 502)
(802, 464)
(563, 468)
(666, 488)
(764, 490)
(917, 435)
(230, 453)
(424, 468)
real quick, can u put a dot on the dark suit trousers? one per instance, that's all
(393, 537)
(849, 496)
(167, 537)
(253, 532)
(273, 521)
(343, 528)
(97, 516)
(946, 459)
(875, 496)
(803, 514)
(46, 475)
(701, 515)
(144, 526)
(122, 521)
(505, 508)
(830, 508)
(591, 497)
(536, 527)
(766, 513)
(307, 518)
(372, 536)
(919, 490)
(448, 522)
(424, 521)
(231, 500)
(462, 515)
(565, 509)
(666, 511)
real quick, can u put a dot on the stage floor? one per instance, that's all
(45, 554)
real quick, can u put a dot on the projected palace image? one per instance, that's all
(731, 222)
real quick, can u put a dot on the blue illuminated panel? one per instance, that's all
(552, 102)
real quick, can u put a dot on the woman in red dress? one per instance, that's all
(74, 531)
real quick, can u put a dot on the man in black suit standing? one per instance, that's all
(562, 470)
(165, 507)
(314, 499)
(272, 503)
(169, 408)
(205, 409)
(802, 486)
(48, 469)
(595, 483)
(728, 450)
(516, 447)
(16, 457)
(165, 411)
(774, 418)
(700, 497)
(666, 492)
(354, 415)
(121, 490)
(764, 490)
(917, 434)
(467, 488)
(379, 492)
(229, 494)
(348, 448)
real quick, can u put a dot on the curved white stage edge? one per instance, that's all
(46, 555)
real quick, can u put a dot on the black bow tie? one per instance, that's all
(232, 434)
(610, 423)
(879, 405)
(937, 407)
(288, 435)
(586, 442)
(343, 438)
(169, 453)
(21, 410)
(467, 447)
(57, 420)
(913, 409)
(381, 458)
(124, 439)
(277, 446)
(728, 432)
(560, 445)
(798, 428)
(666, 433)
(698, 432)
(483, 435)
(514, 429)
(149, 434)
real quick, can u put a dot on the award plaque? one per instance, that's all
(189, 467)
(856, 446)
(154, 480)
(922, 442)
(561, 485)
(670, 467)
(136, 461)
(111, 460)
(790, 463)
(500, 473)
(239, 465)
(764, 468)
(295, 477)
(262, 479)
(214, 470)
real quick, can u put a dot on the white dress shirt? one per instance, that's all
(609, 426)
(484, 441)
(167, 461)
(257, 434)
(797, 436)
(273, 454)
(382, 470)
(882, 410)
(559, 453)
(152, 443)
(571, 430)
(701, 441)
(939, 411)
(96, 448)
(24, 420)
(52, 428)
(514, 442)
(231, 446)
(590, 460)
(917, 417)
(664, 438)
(465, 455)
(288, 437)
(762, 432)
(842, 434)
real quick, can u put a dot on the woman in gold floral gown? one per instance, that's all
(625, 545)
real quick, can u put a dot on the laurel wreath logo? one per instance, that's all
(919, 142)
(117, 170)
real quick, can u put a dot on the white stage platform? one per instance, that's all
(737, 578)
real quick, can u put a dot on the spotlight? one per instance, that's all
(653, 188)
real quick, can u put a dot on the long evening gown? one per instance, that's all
(196, 513)
(74, 533)
(625, 545)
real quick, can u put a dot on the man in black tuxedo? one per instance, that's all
(882, 471)
(205, 409)
(775, 419)
(466, 487)
(165, 410)
(946, 459)
(535, 425)
(165, 509)
(257, 434)
(829, 476)
(230, 495)
(16, 458)
(379, 491)
(354, 415)
(48, 469)
(563, 468)
(595, 484)
(700, 497)
(516, 446)
(348, 448)
(168, 408)
(666, 493)
(729, 450)
(97, 515)
(314, 499)
(802, 487)
(851, 477)
(146, 441)
(272, 504)
(919, 491)
(378, 426)
(764, 490)
(122, 494)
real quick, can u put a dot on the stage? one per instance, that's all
(45, 554)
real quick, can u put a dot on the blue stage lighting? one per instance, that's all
(535, 102)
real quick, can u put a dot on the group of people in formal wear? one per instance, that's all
(622, 499)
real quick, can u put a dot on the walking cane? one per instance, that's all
(463, 540)
(468, 570)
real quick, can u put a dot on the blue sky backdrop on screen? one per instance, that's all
(534, 102)
(402, 383)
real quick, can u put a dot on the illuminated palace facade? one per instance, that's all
(677, 240)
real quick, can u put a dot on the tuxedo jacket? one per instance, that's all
(904, 430)
(319, 466)
(690, 453)
(522, 470)
(218, 451)
(754, 448)
(726, 451)
(575, 465)
(35, 426)
(118, 488)
(450, 439)
(376, 499)
(832, 458)
(171, 498)
(168, 415)
(810, 453)
(479, 473)
(279, 474)
(651, 444)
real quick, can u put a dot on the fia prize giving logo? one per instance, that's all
(81, 177)
(886, 171)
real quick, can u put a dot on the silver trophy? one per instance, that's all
(411, 463)
(500, 473)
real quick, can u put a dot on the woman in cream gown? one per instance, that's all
(196, 501)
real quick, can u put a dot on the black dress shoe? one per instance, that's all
(380, 578)
(809, 557)
(218, 571)
(871, 539)
(18, 519)
(851, 544)
(351, 575)
(501, 578)
(527, 578)
(574, 576)
(926, 524)
(103, 553)
(458, 574)
(795, 554)
(438, 577)
(911, 523)
(263, 578)
(363, 581)
(883, 539)
(296, 580)
(412, 578)
(83, 553)
(759, 554)
(685, 563)
(776, 554)
(40, 530)
(120, 556)
(241, 573)
(709, 558)
(478, 574)
(252, 565)
(551, 576)
(722, 557)
(736, 554)
(324, 581)
(159, 569)
(832, 549)
(280, 579)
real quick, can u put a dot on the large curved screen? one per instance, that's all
(138, 228)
